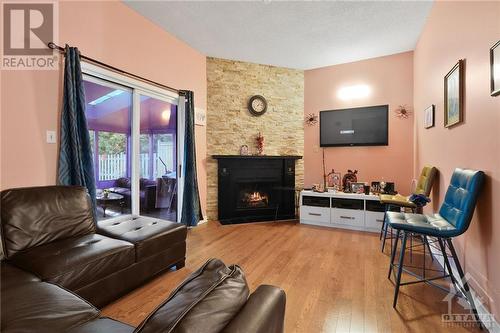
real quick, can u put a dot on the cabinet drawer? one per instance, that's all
(348, 203)
(309, 200)
(348, 217)
(373, 220)
(375, 206)
(315, 214)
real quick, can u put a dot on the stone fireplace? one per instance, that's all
(255, 188)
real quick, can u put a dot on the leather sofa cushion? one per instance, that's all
(263, 312)
(13, 277)
(39, 215)
(76, 262)
(30, 305)
(205, 302)
(149, 236)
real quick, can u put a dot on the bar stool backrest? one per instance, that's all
(461, 198)
(426, 180)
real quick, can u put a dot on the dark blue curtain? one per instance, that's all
(191, 208)
(75, 153)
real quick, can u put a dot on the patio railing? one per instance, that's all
(114, 166)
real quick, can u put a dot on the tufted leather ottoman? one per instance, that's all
(150, 236)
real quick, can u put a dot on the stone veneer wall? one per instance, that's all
(230, 84)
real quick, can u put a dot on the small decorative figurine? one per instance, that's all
(349, 177)
(260, 144)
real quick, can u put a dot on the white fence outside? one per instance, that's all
(114, 166)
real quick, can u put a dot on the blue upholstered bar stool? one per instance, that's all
(453, 219)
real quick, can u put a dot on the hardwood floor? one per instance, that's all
(335, 280)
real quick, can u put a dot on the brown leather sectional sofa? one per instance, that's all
(59, 266)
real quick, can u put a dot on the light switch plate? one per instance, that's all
(51, 136)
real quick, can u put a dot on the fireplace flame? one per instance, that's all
(255, 196)
(256, 199)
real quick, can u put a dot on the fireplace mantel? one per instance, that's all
(282, 157)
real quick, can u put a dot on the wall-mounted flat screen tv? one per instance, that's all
(366, 126)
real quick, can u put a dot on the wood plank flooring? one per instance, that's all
(335, 280)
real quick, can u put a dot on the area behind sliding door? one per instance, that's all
(134, 135)
(158, 158)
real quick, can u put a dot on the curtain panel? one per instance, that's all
(75, 153)
(191, 208)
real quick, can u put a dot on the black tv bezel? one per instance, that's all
(386, 143)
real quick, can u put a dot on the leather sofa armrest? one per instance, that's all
(264, 312)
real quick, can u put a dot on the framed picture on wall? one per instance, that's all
(429, 117)
(495, 69)
(454, 95)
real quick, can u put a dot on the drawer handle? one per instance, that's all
(347, 217)
(315, 214)
(381, 221)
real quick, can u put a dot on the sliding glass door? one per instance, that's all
(158, 158)
(134, 135)
(108, 111)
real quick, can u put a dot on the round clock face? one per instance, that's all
(257, 105)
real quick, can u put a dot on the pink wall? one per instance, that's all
(112, 33)
(463, 30)
(391, 81)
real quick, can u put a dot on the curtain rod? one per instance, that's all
(53, 46)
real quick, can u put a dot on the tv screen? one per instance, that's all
(366, 126)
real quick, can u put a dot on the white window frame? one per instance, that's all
(138, 88)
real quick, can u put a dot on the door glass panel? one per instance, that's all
(158, 158)
(108, 111)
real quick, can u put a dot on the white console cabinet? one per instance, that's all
(342, 210)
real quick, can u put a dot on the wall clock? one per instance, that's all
(257, 105)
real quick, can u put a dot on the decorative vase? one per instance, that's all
(260, 144)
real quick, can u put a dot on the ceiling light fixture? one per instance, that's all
(165, 115)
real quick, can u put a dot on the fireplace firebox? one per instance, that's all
(255, 188)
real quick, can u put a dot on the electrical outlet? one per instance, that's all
(51, 136)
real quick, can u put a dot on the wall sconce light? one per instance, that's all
(354, 92)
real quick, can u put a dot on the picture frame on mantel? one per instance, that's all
(429, 116)
(495, 69)
(454, 95)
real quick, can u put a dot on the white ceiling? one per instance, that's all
(300, 35)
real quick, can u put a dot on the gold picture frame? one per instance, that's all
(454, 95)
